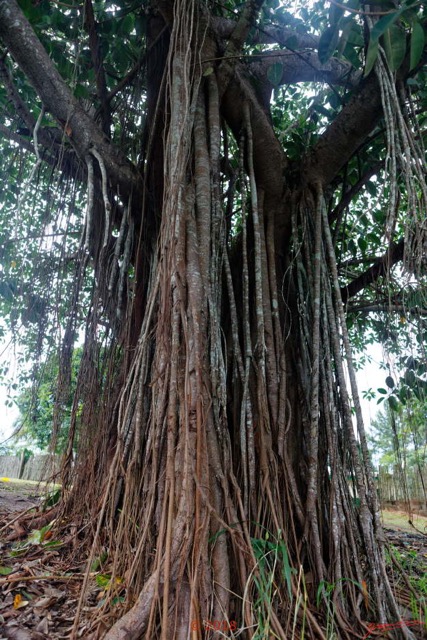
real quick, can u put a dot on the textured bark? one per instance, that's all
(346, 133)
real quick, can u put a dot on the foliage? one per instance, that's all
(399, 435)
(37, 404)
(401, 432)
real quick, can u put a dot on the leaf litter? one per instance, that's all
(40, 578)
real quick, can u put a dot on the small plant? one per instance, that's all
(273, 568)
(415, 568)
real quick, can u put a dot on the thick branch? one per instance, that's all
(269, 158)
(380, 268)
(95, 50)
(242, 27)
(236, 41)
(17, 34)
(24, 143)
(305, 67)
(354, 190)
(344, 135)
(402, 309)
(269, 34)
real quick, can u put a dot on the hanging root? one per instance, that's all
(406, 158)
(107, 205)
(87, 229)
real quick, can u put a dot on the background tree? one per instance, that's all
(222, 233)
(399, 435)
(39, 409)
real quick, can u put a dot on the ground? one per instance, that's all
(40, 576)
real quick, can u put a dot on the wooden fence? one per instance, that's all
(37, 468)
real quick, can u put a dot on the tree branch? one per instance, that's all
(15, 137)
(354, 190)
(402, 309)
(344, 135)
(236, 41)
(305, 67)
(18, 35)
(95, 50)
(380, 268)
(269, 34)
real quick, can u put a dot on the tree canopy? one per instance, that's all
(229, 201)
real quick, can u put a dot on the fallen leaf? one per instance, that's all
(44, 603)
(43, 626)
(17, 601)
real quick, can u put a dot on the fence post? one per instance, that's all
(21, 466)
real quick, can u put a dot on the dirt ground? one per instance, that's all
(18, 495)
(40, 586)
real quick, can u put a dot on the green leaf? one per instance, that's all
(287, 569)
(81, 91)
(378, 30)
(363, 245)
(383, 391)
(395, 46)
(97, 563)
(404, 394)
(335, 14)
(390, 382)
(344, 37)
(274, 73)
(53, 544)
(103, 580)
(410, 378)
(371, 56)
(384, 23)
(394, 403)
(208, 71)
(328, 43)
(379, 215)
(417, 44)
(5, 571)
(321, 109)
(52, 499)
(351, 55)
(127, 24)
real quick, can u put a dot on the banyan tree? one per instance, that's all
(239, 192)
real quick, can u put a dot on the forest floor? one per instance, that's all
(40, 584)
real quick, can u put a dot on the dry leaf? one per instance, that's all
(44, 603)
(17, 601)
(43, 626)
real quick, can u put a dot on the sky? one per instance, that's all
(372, 376)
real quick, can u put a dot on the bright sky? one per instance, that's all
(371, 377)
(8, 416)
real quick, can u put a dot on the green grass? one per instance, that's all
(399, 520)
